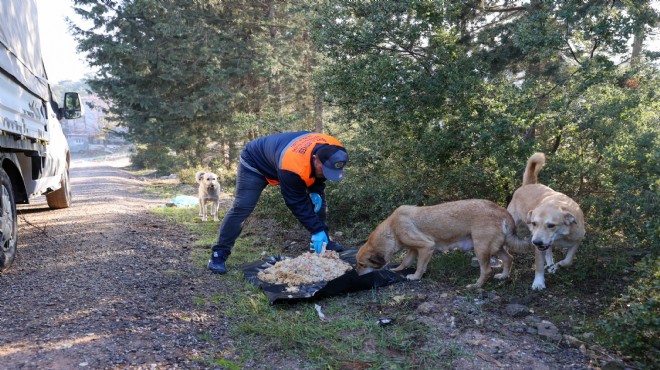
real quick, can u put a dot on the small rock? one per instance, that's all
(572, 341)
(583, 349)
(516, 310)
(524, 300)
(548, 330)
(426, 307)
(532, 320)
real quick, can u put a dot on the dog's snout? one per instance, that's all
(363, 270)
(540, 244)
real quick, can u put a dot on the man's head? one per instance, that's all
(333, 158)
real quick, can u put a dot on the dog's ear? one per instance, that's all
(378, 260)
(528, 220)
(199, 176)
(569, 218)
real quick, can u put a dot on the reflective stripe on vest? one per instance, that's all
(297, 156)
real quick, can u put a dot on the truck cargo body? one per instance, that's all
(34, 153)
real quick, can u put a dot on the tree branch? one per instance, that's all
(500, 10)
(504, 10)
(572, 52)
(593, 50)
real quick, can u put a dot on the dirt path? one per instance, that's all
(102, 284)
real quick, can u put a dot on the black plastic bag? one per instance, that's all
(348, 282)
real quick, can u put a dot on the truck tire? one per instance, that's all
(8, 222)
(60, 198)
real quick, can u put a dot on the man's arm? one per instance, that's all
(319, 188)
(294, 192)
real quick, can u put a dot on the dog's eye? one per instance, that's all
(550, 226)
(533, 223)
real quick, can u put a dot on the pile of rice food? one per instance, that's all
(307, 268)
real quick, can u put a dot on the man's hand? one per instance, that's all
(318, 240)
(317, 201)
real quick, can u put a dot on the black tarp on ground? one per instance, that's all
(349, 282)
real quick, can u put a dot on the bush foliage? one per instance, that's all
(633, 323)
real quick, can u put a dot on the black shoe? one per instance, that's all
(217, 263)
(334, 246)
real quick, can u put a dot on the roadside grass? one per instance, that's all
(575, 300)
(163, 189)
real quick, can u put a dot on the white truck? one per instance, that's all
(34, 154)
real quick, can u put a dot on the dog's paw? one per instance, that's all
(565, 263)
(412, 277)
(501, 276)
(473, 286)
(552, 268)
(538, 285)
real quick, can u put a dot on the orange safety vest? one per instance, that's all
(297, 156)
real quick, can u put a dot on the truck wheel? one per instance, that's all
(60, 198)
(8, 222)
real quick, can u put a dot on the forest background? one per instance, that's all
(434, 100)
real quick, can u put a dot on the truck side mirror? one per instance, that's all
(72, 106)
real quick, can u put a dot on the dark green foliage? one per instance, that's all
(154, 156)
(199, 77)
(439, 101)
(633, 323)
(431, 120)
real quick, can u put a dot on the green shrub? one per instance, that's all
(156, 157)
(633, 323)
(187, 175)
(226, 178)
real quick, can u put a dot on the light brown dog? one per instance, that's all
(554, 220)
(208, 193)
(465, 224)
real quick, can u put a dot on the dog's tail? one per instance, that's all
(534, 165)
(199, 175)
(513, 241)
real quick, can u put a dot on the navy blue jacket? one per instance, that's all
(263, 155)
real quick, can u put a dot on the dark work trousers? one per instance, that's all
(249, 186)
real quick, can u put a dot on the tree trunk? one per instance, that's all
(318, 113)
(227, 155)
(637, 47)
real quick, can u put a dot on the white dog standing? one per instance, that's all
(209, 194)
(553, 218)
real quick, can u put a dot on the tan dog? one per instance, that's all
(554, 220)
(465, 224)
(208, 193)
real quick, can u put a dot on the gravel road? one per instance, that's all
(103, 284)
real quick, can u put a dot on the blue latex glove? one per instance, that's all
(317, 241)
(316, 201)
